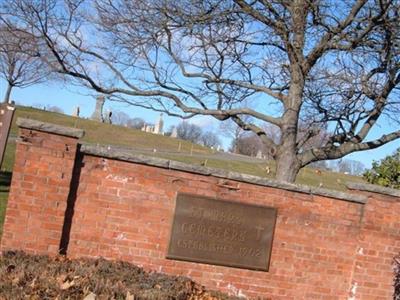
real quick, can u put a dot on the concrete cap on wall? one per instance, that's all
(373, 188)
(50, 128)
(125, 154)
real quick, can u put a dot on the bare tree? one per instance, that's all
(344, 166)
(210, 139)
(120, 118)
(55, 108)
(189, 132)
(20, 64)
(349, 166)
(231, 130)
(136, 123)
(249, 144)
(319, 62)
(357, 167)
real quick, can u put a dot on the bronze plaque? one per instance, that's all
(223, 233)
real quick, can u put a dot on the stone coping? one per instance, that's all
(51, 128)
(373, 188)
(125, 154)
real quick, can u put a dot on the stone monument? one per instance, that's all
(98, 112)
(76, 111)
(174, 133)
(158, 128)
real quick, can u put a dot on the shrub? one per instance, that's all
(385, 172)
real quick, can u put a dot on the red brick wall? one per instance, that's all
(379, 242)
(323, 248)
(39, 191)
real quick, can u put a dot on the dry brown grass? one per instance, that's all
(25, 276)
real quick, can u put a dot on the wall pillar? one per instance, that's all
(42, 174)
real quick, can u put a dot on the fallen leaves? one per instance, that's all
(40, 277)
(91, 296)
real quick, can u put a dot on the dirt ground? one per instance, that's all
(25, 276)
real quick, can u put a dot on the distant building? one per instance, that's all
(148, 128)
(157, 128)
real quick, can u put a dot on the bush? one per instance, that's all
(385, 172)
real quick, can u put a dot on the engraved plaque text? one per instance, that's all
(224, 233)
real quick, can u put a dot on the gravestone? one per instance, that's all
(98, 111)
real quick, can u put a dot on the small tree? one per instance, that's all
(248, 144)
(20, 62)
(189, 132)
(210, 139)
(120, 118)
(385, 172)
(136, 123)
(344, 166)
(230, 130)
(55, 108)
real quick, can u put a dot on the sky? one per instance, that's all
(67, 98)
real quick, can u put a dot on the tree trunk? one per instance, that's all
(8, 93)
(287, 163)
(287, 166)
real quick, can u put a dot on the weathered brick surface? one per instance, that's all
(379, 242)
(323, 248)
(39, 191)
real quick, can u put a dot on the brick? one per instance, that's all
(123, 210)
(39, 214)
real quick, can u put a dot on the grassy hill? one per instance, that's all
(166, 147)
(101, 133)
(162, 146)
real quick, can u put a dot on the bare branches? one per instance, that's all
(331, 67)
(20, 64)
(346, 148)
(258, 131)
(328, 40)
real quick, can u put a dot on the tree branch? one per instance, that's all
(335, 152)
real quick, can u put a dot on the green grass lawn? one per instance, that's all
(307, 176)
(8, 160)
(100, 133)
(3, 205)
